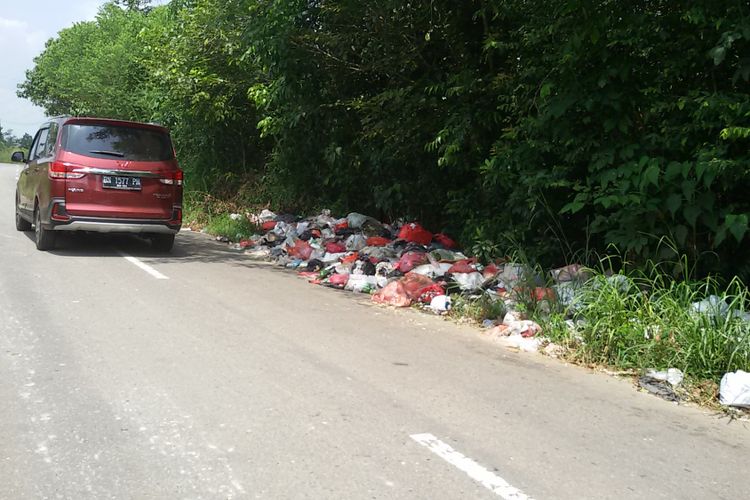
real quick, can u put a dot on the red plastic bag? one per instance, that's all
(339, 227)
(394, 294)
(428, 293)
(463, 266)
(415, 233)
(416, 284)
(301, 249)
(268, 226)
(246, 243)
(334, 247)
(410, 260)
(445, 241)
(338, 279)
(490, 271)
(350, 258)
(377, 241)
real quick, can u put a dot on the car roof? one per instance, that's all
(82, 120)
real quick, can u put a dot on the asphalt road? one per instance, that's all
(202, 374)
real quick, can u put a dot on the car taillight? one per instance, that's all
(175, 179)
(61, 170)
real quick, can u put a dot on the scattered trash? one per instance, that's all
(235, 216)
(673, 376)
(713, 306)
(735, 389)
(521, 343)
(440, 304)
(553, 350)
(662, 383)
(572, 272)
(361, 283)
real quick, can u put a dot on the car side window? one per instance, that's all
(41, 144)
(49, 150)
(34, 144)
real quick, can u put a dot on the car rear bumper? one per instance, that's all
(116, 226)
(58, 219)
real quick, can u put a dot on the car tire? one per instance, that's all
(21, 223)
(45, 239)
(162, 242)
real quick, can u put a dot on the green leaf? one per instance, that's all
(673, 203)
(651, 175)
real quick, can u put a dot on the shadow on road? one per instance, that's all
(188, 247)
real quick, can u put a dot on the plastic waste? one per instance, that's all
(511, 275)
(380, 253)
(266, 216)
(356, 242)
(355, 220)
(447, 255)
(463, 266)
(445, 241)
(235, 216)
(441, 303)
(673, 376)
(572, 272)
(416, 284)
(361, 283)
(415, 233)
(339, 280)
(430, 292)
(410, 260)
(432, 270)
(734, 389)
(301, 249)
(394, 294)
(522, 343)
(377, 241)
(712, 306)
(469, 282)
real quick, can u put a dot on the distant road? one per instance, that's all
(132, 375)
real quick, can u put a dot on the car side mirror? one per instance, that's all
(18, 157)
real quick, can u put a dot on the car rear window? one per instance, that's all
(117, 142)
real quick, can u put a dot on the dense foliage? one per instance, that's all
(560, 126)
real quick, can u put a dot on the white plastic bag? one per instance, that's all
(735, 389)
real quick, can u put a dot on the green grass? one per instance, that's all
(6, 152)
(235, 230)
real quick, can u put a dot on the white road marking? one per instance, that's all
(150, 270)
(492, 482)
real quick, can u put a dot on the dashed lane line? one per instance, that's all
(489, 480)
(150, 270)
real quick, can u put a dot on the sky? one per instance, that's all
(25, 26)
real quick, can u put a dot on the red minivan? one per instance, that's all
(100, 175)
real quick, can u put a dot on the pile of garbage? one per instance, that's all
(401, 264)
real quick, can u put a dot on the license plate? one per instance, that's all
(117, 182)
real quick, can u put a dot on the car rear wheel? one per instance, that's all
(45, 239)
(21, 223)
(162, 242)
